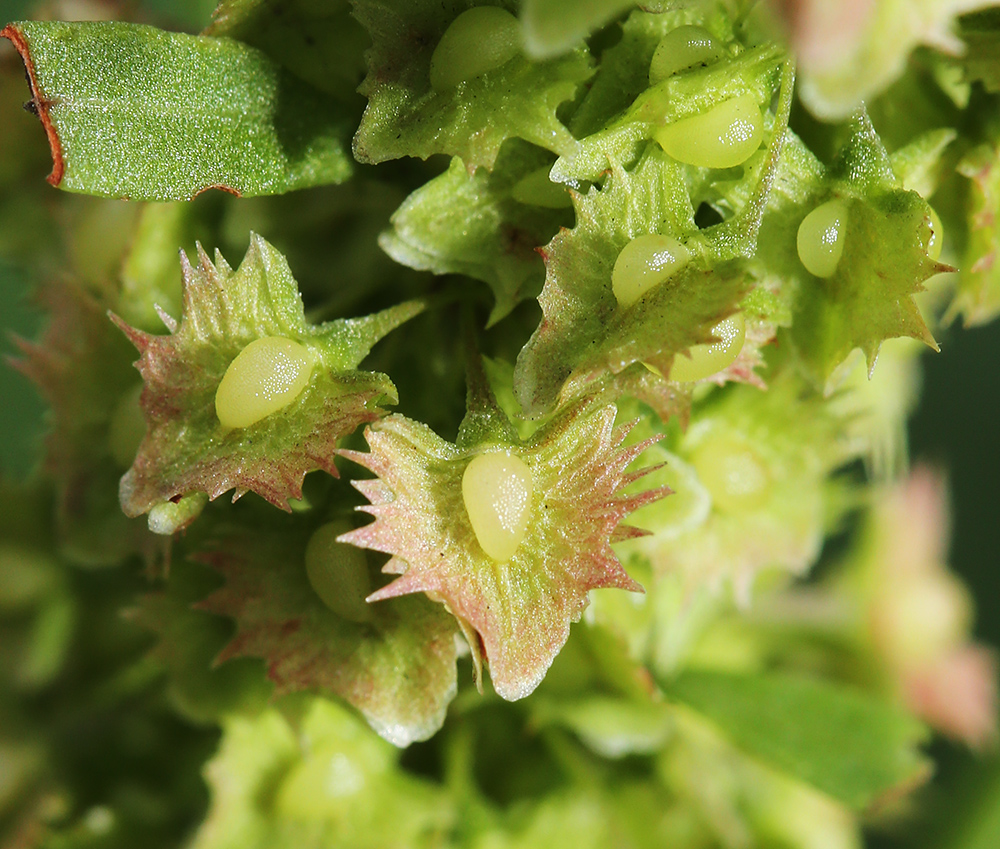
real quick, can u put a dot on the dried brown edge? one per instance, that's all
(41, 104)
(229, 190)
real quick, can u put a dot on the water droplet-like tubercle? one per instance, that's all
(733, 472)
(266, 376)
(497, 490)
(645, 263)
(683, 48)
(338, 572)
(480, 39)
(536, 189)
(724, 136)
(705, 360)
(820, 240)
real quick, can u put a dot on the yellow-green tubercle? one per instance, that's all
(724, 136)
(480, 39)
(497, 490)
(703, 361)
(265, 377)
(645, 263)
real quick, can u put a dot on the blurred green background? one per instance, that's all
(956, 427)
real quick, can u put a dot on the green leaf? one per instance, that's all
(397, 667)
(840, 741)
(406, 117)
(462, 223)
(186, 448)
(135, 112)
(517, 607)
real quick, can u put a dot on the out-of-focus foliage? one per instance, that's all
(255, 676)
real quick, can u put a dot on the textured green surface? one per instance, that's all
(869, 298)
(398, 669)
(186, 449)
(145, 114)
(842, 742)
(461, 223)
(585, 333)
(520, 610)
(405, 117)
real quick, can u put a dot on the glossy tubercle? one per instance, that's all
(706, 360)
(724, 136)
(683, 48)
(266, 376)
(936, 239)
(645, 263)
(536, 189)
(480, 39)
(497, 490)
(820, 240)
(338, 572)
